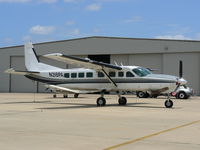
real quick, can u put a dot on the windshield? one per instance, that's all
(141, 72)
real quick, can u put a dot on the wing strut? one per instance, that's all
(109, 78)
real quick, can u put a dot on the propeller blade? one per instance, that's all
(180, 69)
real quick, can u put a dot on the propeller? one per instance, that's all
(180, 80)
(180, 69)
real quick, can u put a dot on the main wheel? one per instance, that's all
(101, 101)
(54, 95)
(182, 95)
(122, 101)
(168, 103)
(76, 95)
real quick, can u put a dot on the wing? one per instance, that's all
(85, 62)
(63, 89)
(18, 72)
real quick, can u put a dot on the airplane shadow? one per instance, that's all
(80, 106)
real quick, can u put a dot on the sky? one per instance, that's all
(52, 20)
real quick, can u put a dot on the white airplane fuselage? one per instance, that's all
(89, 79)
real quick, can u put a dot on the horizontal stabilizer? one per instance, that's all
(18, 72)
(63, 89)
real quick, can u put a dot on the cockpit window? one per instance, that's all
(141, 72)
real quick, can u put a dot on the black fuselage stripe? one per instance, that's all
(92, 81)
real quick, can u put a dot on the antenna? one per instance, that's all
(115, 63)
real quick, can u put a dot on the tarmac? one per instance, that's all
(41, 122)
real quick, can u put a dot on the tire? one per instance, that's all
(54, 96)
(141, 94)
(122, 101)
(182, 95)
(76, 95)
(101, 101)
(168, 103)
(65, 96)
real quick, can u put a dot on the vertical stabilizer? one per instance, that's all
(31, 60)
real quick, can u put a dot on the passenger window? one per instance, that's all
(89, 74)
(120, 74)
(81, 74)
(129, 74)
(66, 75)
(73, 75)
(112, 74)
(100, 74)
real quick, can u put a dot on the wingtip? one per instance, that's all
(10, 70)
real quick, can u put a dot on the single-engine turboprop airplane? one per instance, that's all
(96, 77)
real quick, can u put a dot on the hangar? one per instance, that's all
(160, 54)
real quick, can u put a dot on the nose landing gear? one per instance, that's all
(168, 102)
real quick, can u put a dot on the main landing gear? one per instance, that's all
(122, 100)
(101, 101)
(168, 102)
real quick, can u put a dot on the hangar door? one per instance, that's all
(20, 83)
(101, 58)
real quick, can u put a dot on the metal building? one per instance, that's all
(163, 55)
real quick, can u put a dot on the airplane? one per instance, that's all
(96, 77)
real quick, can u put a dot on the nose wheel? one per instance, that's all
(168, 103)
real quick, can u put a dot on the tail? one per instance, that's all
(31, 59)
(32, 62)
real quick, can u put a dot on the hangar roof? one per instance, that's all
(114, 45)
